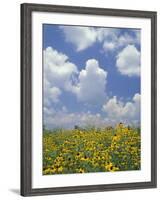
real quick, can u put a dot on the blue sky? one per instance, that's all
(91, 76)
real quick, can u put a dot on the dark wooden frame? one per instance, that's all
(26, 103)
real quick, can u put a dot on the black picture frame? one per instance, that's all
(26, 98)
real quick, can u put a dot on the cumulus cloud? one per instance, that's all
(69, 120)
(118, 111)
(51, 93)
(128, 61)
(59, 76)
(89, 86)
(58, 72)
(120, 41)
(109, 46)
(110, 38)
(127, 39)
(138, 36)
(110, 34)
(84, 37)
(81, 37)
(91, 83)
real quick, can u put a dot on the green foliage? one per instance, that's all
(91, 150)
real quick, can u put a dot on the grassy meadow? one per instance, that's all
(91, 150)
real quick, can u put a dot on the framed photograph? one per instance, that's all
(88, 99)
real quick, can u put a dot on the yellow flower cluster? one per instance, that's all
(91, 150)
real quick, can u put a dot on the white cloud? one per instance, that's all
(54, 93)
(89, 87)
(69, 120)
(110, 38)
(110, 34)
(120, 41)
(127, 39)
(128, 61)
(118, 111)
(91, 83)
(81, 37)
(51, 93)
(48, 112)
(58, 72)
(109, 46)
(138, 36)
(84, 37)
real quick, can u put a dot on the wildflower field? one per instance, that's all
(91, 150)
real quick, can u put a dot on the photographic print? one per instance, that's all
(91, 99)
(88, 99)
